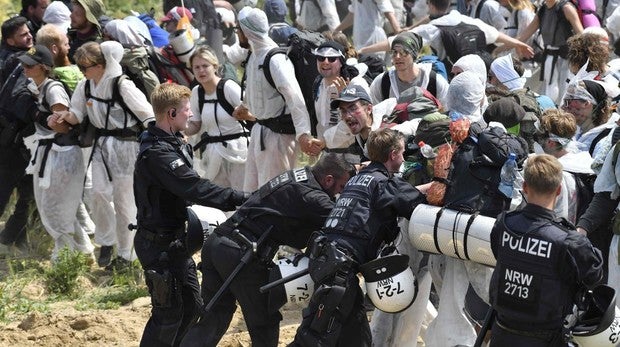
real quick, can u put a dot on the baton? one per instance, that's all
(251, 249)
(269, 286)
(488, 321)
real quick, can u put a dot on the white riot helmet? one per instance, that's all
(390, 283)
(599, 325)
(297, 291)
(201, 221)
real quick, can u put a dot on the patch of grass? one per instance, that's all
(13, 301)
(62, 277)
(109, 298)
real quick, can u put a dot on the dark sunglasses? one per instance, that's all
(322, 59)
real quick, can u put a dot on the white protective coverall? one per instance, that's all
(113, 204)
(316, 13)
(223, 164)
(58, 180)
(451, 326)
(609, 181)
(263, 101)
(421, 80)
(403, 328)
(368, 21)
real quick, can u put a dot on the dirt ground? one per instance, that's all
(65, 326)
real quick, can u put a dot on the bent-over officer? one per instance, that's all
(284, 211)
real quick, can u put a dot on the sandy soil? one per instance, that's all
(65, 326)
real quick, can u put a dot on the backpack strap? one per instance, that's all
(266, 67)
(221, 97)
(201, 98)
(46, 87)
(316, 86)
(616, 153)
(479, 8)
(118, 97)
(597, 139)
(432, 83)
(385, 85)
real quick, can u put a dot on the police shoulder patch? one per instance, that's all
(301, 175)
(175, 164)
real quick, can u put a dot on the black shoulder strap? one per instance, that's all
(118, 97)
(267, 61)
(201, 98)
(432, 83)
(597, 139)
(385, 85)
(479, 8)
(221, 97)
(47, 86)
(315, 87)
(517, 19)
(616, 153)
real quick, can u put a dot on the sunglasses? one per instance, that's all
(322, 59)
(83, 68)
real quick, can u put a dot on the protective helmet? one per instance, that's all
(599, 325)
(390, 283)
(201, 221)
(297, 291)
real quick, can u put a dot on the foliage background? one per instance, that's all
(115, 8)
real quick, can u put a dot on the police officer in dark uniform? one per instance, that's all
(164, 182)
(542, 264)
(364, 219)
(284, 211)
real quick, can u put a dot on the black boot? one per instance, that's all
(105, 256)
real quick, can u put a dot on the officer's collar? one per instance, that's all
(376, 166)
(538, 211)
(159, 133)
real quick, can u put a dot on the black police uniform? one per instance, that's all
(14, 156)
(542, 262)
(290, 207)
(163, 183)
(364, 218)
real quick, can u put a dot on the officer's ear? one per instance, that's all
(172, 112)
(328, 182)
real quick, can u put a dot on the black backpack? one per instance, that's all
(299, 51)
(41, 116)
(584, 185)
(460, 40)
(220, 99)
(18, 108)
(88, 132)
(472, 183)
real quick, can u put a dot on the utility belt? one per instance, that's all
(126, 134)
(282, 124)
(555, 52)
(59, 140)
(546, 335)
(162, 236)
(205, 139)
(265, 251)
